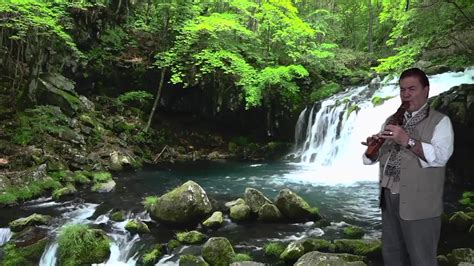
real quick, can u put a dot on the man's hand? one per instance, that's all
(395, 133)
(371, 139)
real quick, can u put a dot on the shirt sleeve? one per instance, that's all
(437, 152)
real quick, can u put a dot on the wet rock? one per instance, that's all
(295, 208)
(297, 248)
(104, 187)
(269, 213)
(215, 221)
(191, 260)
(240, 212)
(34, 219)
(137, 226)
(247, 263)
(363, 247)
(255, 199)
(64, 191)
(218, 251)
(238, 201)
(191, 237)
(316, 258)
(187, 203)
(152, 256)
(353, 232)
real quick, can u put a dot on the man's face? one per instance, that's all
(413, 92)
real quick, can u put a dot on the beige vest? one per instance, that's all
(421, 189)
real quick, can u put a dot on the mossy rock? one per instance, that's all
(218, 251)
(215, 221)
(240, 212)
(269, 213)
(101, 177)
(185, 204)
(362, 247)
(255, 199)
(191, 260)
(78, 245)
(274, 249)
(69, 189)
(353, 232)
(137, 226)
(118, 216)
(28, 255)
(316, 258)
(152, 256)
(297, 248)
(238, 201)
(294, 207)
(192, 237)
(104, 187)
(34, 219)
(172, 244)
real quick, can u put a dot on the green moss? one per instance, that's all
(64, 191)
(152, 256)
(29, 255)
(353, 232)
(241, 257)
(101, 177)
(377, 100)
(58, 175)
(172, 244)
(77, 245)
(351, 109)
(192, 237)
(137, 226)
(150, 201)
(7, 198)
(467, 199)
(118, 216)
(325, 91)
(34, 219)
(368, 248)
(189, 259)
(274, 249)
(81, 178)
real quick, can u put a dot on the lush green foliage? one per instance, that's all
(77, 244)
(274, 249)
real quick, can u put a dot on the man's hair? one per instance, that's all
(418, 73)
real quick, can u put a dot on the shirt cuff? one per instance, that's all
(367, 161)
(429, 153)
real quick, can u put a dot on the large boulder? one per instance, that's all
(34, 219)
(240, 212)
(218, 251)
(55, 89)
(255, 199)
(294, 207)
(297, 248)
(269, 213)
(458, 104)
(316, 258)
(185, 204)
(371, 248)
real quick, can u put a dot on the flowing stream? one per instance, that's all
(325, 169)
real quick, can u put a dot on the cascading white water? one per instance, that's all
(5, 235)
(332, 150)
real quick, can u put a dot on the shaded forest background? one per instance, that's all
(247, 66)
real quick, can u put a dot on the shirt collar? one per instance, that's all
(408, 115)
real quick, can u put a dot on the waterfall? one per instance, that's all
(332, 150)
(5, 235)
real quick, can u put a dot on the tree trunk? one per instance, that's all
(157, 99)
(371, 22)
